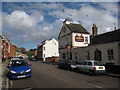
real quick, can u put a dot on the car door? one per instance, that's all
(83, 66)
(88, 66)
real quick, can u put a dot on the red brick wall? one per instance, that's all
(51, 59)
(12, 50)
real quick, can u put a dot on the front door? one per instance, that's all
(97, 55)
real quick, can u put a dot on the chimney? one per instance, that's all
(94, 30)
(66, 21)
(38, 45)
(115, 28)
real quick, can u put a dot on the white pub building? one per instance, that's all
(72, 36)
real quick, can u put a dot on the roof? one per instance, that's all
(77, 28)
(106, 37)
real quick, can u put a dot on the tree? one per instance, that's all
(23, 50)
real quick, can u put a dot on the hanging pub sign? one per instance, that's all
(79, 38)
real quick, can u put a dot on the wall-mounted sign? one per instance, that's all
(79, 38)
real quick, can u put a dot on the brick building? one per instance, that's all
(12, 50)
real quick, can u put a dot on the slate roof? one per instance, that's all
(106, 37)
(77, 28)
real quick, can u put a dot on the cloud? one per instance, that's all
(30, 22)
(89, 15)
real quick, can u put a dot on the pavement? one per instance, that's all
(5, 80)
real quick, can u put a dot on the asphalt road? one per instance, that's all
(49, 76)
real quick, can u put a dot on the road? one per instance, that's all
(50, 76)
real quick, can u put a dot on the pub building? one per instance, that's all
(72, 36)
(76, 43)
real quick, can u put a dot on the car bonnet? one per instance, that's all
(20, 68)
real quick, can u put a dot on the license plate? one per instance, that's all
(21, 76)
(100, 67)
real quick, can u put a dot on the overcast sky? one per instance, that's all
(27, 24)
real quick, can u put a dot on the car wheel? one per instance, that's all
(91, 72)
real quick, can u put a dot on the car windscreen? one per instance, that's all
(96, 64)
(18, 63)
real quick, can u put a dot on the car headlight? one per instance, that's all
(13, 71)
(28, 70)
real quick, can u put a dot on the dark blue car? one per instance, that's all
(19, 69)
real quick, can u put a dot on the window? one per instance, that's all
(44, 55)
(88, 55)
(89, 63)
(86, 39)
(44, 48)
(110, 55)
(84, 63)
(66, 43)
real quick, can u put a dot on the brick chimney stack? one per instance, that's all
(66, 21)
(94, 30)
(38, 45)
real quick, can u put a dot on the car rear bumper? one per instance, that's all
(100, 71)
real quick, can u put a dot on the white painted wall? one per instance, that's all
(51, 49)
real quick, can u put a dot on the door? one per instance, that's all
(98, 55)
(70, 55)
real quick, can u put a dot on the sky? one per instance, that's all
(27, 24)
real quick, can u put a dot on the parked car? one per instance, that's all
(19, 69)
(67, 64)
(92, 67)
(33, 59)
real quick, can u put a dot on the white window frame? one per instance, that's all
(110, 55)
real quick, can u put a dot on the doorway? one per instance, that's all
(98, 55)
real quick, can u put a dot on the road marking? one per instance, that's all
(92, 84)
(27, 89)
(7, 83)
(11, 82)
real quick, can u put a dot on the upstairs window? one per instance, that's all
(86, 39)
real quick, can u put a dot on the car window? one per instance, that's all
(89, 63)
(84, 63)
(96, 64)
(18, 63)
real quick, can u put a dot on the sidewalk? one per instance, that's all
(4, 77)
(113, 75)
